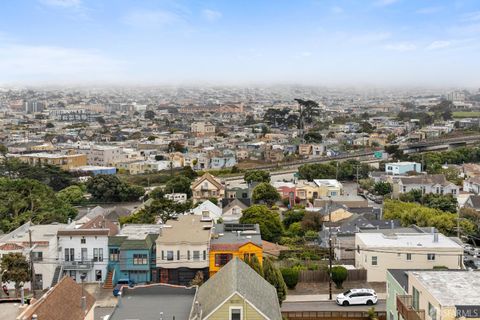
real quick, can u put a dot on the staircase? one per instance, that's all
(56, 275)
(109, 281)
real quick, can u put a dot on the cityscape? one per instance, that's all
(238, 160)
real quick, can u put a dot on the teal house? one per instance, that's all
(132, 254)
(397, 285)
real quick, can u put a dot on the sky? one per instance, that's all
(382, 43)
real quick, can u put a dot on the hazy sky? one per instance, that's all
(316, 42)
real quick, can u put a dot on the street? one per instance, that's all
(328, 306)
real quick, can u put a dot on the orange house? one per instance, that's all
(234, 240)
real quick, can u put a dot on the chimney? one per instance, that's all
(435, 234)
(392, 225)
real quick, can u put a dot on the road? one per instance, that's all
(328, 306)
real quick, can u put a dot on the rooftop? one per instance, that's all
(188, 228)
(235, 235)
(407, 240)
(147, 302)
(451, 287)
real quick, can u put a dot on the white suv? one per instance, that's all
(357, 296)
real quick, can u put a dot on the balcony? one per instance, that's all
(406, 310)
(77, 265)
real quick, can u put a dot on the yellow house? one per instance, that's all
(231, 241)
(206, 187)
(236, 292)
(64, 161)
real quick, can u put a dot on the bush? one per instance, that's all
(339, 275)
(290, 276)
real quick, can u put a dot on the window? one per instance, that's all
(454, 191)
(114, 254)
(222, 259)
(178, 254)
(404, 188)
(37, 256)
(358, 249)
(432, 311)
(235, 314)
(83, 240)
(415, 298)
(204, 254)
(205, 213)
(374, 261)
(140, 258)
(196, 255)
(69, 254)
(409, 256)
(188, 254)
(169, 255)
(431, 257)
(98, 254)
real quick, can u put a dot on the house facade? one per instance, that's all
(436, 184)
(206, 187)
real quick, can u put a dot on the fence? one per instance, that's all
(331, 315)
(322, 275)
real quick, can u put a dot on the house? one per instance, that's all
(473, 202)
(132, 254)
(402, 168)
(176, 197)
(230, 240)
(84, 250)
(472, 185)
(236, 292)
(182, 249)
(429, 183)
(206, 187)
(64, 161)
(154, 301)
(208, 211)
(433, 294)
(328, 187)
(66, 300)
(201, 129)
(44, 246)
(377, 252)
(232, 212)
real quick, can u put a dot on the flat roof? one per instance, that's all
(189, 228)
(407, 240)
(147, 302)
(451, 288)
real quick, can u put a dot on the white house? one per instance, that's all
(401, 168)
(44, 250)
(429, 183)
(472, 185)
(377, 252)
(85, 250)
(232, 212)
(208, 210)
(176, 197)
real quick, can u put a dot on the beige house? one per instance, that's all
(206, 187)
(236, 292)
(445, 295)
(377, 252)
(201, 129)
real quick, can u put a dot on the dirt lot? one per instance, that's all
(322, 287)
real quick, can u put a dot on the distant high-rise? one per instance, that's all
(34, 106)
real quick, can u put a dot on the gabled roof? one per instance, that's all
(235, 202)
(475, 201)
(101, 222)
(431, 179)
(236, 277)
(59, 303)
(210, 178)
(11, 247)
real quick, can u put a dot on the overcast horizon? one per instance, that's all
(370, 43)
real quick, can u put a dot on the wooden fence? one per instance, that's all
(322, 275)
(331, 315)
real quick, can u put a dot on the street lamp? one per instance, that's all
(83, 276)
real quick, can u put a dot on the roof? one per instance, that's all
(451, 288)
(237, 277)
(407, 240)
(235, 202)
(475, 201)
(234, 239)
(40, 233)
(273, 249)
(430, 179)
(208, 206)
(146, 302)
(59, 303)
(188, 228)
(83, 232)
(210, 178)
(401, 276)
(101, 222)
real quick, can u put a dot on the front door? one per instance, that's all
(98, 275)
(84, 254)
(163, 275)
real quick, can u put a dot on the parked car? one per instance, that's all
(357, 296)
(120, 284)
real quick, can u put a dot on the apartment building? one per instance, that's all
(64, 161)
(99, 155)
(377, 252)
(201, 129)
(183, 250)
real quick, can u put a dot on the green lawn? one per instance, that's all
(466, 114)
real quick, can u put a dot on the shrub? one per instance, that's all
(290, 276)
(339, 275)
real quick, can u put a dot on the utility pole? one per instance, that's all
(336, 172)
(330, 251)
(32, 271)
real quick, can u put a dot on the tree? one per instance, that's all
(73, 195)
(25, 200)
(149, 114)
(159, 209)
(156, 194)
(313, 137)
(339, 275)
(198, 279)
(274, 276)
(3, 149)
(312, 221)
(382, 188)
(256, 176)
(366, 127)
(309, 110)
(179, 184)
(254, 263)
(292, 216)
(175, 146)
(444, 202)
(265, 193)
(268, 220)
(49, 125)
(109, 188)
(290, 276)
(15, 268)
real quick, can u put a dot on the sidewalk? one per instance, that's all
(320, 297)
